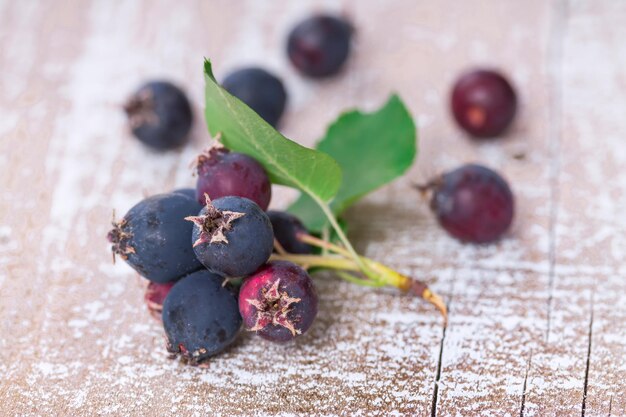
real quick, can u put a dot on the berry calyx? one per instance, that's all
(472, 203)
(278, 302)
(223, 173)
(483, 103)
(213, 223)
(232, 236)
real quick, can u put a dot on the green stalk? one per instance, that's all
(342, 236)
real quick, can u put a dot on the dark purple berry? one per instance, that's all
(159, 115)
(279, 301)
(222, 173)
(319, 45)
(286, 229)
(483, 103)
(200, 317)
(232, 236)
(261, 91)
(153, 237)
(155, 296)
(473, 203)
(189, 192)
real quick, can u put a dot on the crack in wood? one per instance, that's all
(524, 387)
(588, 362)
(433, 409)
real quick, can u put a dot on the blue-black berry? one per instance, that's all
(320, 45)
(232, 236)
(153, 237)
(200, 316)
(159, 115)
(287, 227)
(261, 91)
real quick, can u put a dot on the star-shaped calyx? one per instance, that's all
(273, 307)
(119, 238)
(214, 223)
(210, 156)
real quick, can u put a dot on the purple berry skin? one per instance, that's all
(278, 302)
(483, 103)
(155, 295)
(232, 236)
(222, 173)
(473, 204)
(200, 316)
(160, 115)
(320, 45)
(261, 91)
(286, 229)
(153, 237)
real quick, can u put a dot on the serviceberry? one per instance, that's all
(232, 236)
(278, 302)
(222, 173)
(159, 115)
(319, 45)
(261, 91)
(483, 103)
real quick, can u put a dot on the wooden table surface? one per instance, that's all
(537, 321)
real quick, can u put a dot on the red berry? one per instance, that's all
(155, 295)
(483, 103)
(222, 173)
(279, 301)
(473, 203)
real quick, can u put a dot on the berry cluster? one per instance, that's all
(217, 260)
(209, 264)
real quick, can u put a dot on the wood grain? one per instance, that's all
(537, 321)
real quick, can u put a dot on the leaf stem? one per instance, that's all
(342, 236)
(330, 262)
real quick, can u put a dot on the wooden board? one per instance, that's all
(537, 321)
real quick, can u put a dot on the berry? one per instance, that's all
(189, 192)
(261, 91)
(232, 236)
(286, 229)
(222, 173)
(153, 237)
(483, 103)
(159, 115)
(278, 302)
(319, 45)
(473, 203)
(200, 317)
(155, 295)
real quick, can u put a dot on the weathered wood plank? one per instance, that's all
(76, 338)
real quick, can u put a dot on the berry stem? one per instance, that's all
(383, 275)
(342, 236)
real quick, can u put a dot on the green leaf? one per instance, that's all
(286, 162)
(372, 150)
